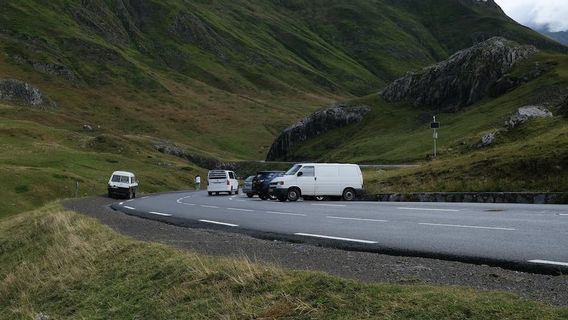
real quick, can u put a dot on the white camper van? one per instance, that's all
(222, 181)
(319, 179)
(123, 184)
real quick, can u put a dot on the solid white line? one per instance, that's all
(428, 209)
(334, 238)
(237, 209)
(461, 226)
(356, 219)
(212, 207)
(161, 214)
(556, 263)
(287, 213)
(563, 214)
(220, 223)
(329, 205)
(127, 207)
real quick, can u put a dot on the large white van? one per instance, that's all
(319, 179)
(222, 181)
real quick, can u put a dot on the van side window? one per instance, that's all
(308, 171)
(133, 179)
(231, 175)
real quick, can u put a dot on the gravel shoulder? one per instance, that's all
(362, 266)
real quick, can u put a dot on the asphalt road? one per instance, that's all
(510, 235)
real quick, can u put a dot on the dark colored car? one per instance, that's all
(261, 183)
(247, 187)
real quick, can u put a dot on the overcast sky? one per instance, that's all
(553, 13)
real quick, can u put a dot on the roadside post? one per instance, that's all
(435, 126)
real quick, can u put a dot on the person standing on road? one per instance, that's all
(197, 183)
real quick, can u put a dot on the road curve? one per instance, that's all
(516, 236)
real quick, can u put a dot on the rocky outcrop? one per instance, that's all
(23, 93)
(526, 113)
(487, 139)
(463, 79)
(54, 69)
(320, 122)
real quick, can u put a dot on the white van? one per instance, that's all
(222, 181)
(319, 179)
(122, 184)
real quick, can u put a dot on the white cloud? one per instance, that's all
(551, 13)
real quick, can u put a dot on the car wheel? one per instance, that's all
(250, 195)
(210, 193)
(263, 196)
(349, 194)
(293, 194)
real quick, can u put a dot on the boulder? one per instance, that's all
(463, 79)
(487, 139)
(320, 122)
(23, 93)
(526, 113)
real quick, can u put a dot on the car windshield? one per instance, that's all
(120, 179)
(293, 170)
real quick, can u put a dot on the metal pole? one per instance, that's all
(435, 136)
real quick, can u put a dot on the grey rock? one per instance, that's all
(463, 79)
(526, 113)
(487, 139)
(23, 93)
(318, 123)
(87, 127)
(54, 69)
(41, 316)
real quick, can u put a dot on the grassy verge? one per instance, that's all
(67, 266)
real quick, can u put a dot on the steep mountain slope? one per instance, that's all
(218, 78)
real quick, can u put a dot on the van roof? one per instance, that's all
(123, 173)
(327, 164)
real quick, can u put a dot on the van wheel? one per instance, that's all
(293, 194)
(349, 194)
(210, 193)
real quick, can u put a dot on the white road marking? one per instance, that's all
(329, 205)
(563, 214)
(428, 209)
(287, 213)
(188, 204)
(220, 223)
(180, 199)
(211, 207)
(237, 209)
(462, 226)
(127, 207)
(146, 197)
(334, 238)
(121, 203)
(130, 200)
(356, 219)
(161, 214)
(556, 263)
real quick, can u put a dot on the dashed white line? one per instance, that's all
(127, 207)
(237, 209)
(220, 223)
(211, 207)
(146, 197)
(356, 219)
(462, 226)
(329, 205)
(563, 214)
(555, 263)
(121, 203)
(130, 200)
(188, 204)
(161, 214)
(428, 209)
(335, 238)
(287, 213)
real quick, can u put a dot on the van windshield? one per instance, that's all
(293, 170)
(120, 179)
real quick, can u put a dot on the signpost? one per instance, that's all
(435, 126)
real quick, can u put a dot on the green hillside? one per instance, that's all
(219, 78)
